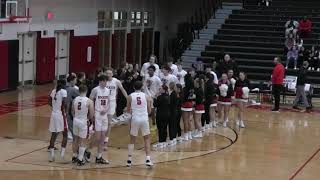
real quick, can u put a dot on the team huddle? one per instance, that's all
(183, 104)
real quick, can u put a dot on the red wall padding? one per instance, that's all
(45, 59)
(4, 65)
(78, 53)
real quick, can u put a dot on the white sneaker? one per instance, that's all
(237, 122)
(309, 68)
(186, 137)
(198, 135)
(164, 144)
(227, 120)
(149, 163)
(174, 141)
(214, 124)
(70, 135)
(190, 135)
(156, 145)
(224, 124)
(170, 143)
(242, 124)
(203, 128)
(179, 139)
(295, 68)
(312, 69)
(51, 156)
(318, 69)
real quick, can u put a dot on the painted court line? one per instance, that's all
(303, 165)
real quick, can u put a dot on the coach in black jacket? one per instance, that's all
(301, 81)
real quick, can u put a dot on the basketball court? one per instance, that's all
(273, 146)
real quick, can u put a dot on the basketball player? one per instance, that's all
(242, 95)
(151, 86)
(145, 66)
(82, 110)
(167, 78)
(139, 104)
(180, 74)
(100, 95)
(113, 84)
(173, 67)
(58, 121)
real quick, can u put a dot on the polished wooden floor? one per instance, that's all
(273, 146)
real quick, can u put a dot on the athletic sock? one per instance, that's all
(52, 152)
(63, 150)
(99, 155)
(148, 158)
(106, 140)
(75, 154)
(130, 150)
(81, 153)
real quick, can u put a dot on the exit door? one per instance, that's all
(62, 54)
(27, 58)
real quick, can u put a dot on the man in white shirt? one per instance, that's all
(145, 66)
(151, 86)
(180, 74)
(167, 78)
(209, 70)
(139, 105)
(113, 85)
(173, 67)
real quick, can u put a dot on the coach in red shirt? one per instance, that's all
(277, 82)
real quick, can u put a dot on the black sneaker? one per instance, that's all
(101, 161)
(87, 156)
(129, 163)
(74, 160)
(81, 163)
(296, 108)
(275, 110)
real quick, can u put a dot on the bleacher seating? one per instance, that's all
(254, 35)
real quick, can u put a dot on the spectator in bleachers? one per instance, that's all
(227, 64)
(292, 54)
(289, 43)
(314, 59)
(305, 26)
(292, 27)
(266, 3)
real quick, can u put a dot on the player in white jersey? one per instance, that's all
(100, 95)
(139, 104)
(151, 86)
(173, 67)
(113, 84)
(82, 111)
(166, 77)
(145, 66)
(58, 120)
(180, 74)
